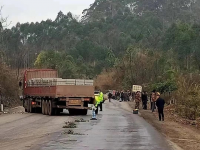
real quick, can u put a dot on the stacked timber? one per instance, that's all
(35, 82)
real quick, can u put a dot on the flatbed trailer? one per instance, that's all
(51, 98)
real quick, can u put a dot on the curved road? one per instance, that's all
(116, 129)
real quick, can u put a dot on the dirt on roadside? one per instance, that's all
(185, 136)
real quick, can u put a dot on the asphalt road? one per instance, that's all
(116, 129)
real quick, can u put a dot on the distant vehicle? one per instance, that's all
(44, 92)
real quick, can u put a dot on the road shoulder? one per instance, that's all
(180, 136)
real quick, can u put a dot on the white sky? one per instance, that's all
(37, 10)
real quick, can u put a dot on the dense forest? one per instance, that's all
(117, 42)
(82, 48)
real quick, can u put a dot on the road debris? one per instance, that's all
(69, 125)
(78, 134)
(69, 132)
(81, 120)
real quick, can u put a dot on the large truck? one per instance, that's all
(44, 92)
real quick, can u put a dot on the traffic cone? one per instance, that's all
(93, 115)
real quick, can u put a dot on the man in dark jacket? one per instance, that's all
(144, 100)
(129, 95)
(122, 95)
(125, 96)
(118, 95)
(160, 104)
(110, 96)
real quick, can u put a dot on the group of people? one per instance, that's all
(155, 100)
(123, 96)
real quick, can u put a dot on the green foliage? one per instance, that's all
(48, 59)
(187, 98)
(167, 86)
(107, 29)
(166, 82)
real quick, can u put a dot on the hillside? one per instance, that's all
(106, 30)
(151, 43)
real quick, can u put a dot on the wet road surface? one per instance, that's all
(24, 131)
(116, 129)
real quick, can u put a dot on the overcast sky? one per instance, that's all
(36, 10)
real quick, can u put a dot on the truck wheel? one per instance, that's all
(30, 106)
(27, 105)
(83, 112)
(24, 105)
(50, 109)
(46, 108)
(43, 107)
(57, 111)
(71, 111)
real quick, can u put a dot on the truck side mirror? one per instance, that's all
(21, 98)
(20, 84)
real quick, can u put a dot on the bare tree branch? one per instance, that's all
(3, 20)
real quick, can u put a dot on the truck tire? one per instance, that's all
(30, 106)
(27, 105)
(71, 111)
(46, 108)
(50, 109)
(83, 112)
(57, 111)
(78, 111)
(43, 107)
(25, 109)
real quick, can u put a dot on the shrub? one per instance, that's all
(187, 98)
(8, 87)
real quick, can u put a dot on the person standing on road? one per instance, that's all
(122, 95)
(153, 101)
(118, 95)
(144, 100)
(109, 96)
(160, 103)
(96, 103)
(129, 95)
(101, 100)
(137, 100)
(133, 96)
(125, 96)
